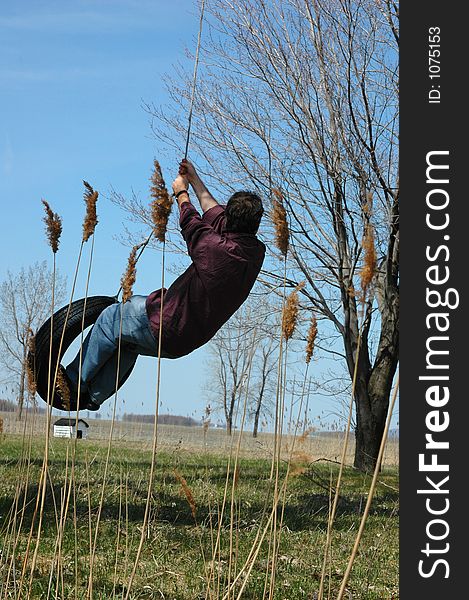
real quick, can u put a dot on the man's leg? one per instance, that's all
(129, 322)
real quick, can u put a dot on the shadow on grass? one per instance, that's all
(305, 510)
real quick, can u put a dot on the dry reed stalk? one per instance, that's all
(75, 534)
(11, 535)
(89, 226)
(161, 204)
(155, 436)
(88, 497)
(273, 546)
(250, 561)
(290, 313)
(217, 548)
(130, 275)
(91, 220)
(62, 387)
(236, 461)
(23, 483)
(57, 556)
(369, 260)
(368, 243)
(370, 493)
(30, 375)
(278, 424)
(290, 464)
(59, 379)
(331, 519)
(311, 339)
(119, 517)
(188, 493)
(53, 227)
(53, 230)
(126, 558)
(106, 467)
(206, 423)
(279, 219)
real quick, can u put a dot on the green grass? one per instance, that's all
(172, 564)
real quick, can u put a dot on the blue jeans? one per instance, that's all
(100, 348)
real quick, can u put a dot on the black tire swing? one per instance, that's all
(70, 327)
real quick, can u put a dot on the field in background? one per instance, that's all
(178, 548)
(325, 445)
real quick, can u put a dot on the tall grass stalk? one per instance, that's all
(119, 517)
(13, 532)
(54, 229)
(250, 561)
(236, 458)
(366, 277)
(221, 510)
(290, 458)
(106, 465)
(370, 493)
(289, 322)
(155, 434)
(330, 521)
(88, 230)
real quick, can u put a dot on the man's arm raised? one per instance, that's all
(180, 185)
(206, 200)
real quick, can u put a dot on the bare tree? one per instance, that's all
(264, 368)
(302, 95)
(25, 303)
(244, 355)
(231, 364)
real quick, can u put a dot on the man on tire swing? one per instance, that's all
(226, 259)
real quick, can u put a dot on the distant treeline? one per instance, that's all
(162, 419)
(9, 406)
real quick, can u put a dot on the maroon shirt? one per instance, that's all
(224, 268)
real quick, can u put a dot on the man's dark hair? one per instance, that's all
(243, 212)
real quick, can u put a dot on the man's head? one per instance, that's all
(243, 212)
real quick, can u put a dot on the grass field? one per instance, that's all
(178, 555)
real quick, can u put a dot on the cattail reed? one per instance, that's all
(187, 492)
(368, 243)
(62, 387)
(208, 411)
(290, 313)
(161, 204)
(30, 377)
(311, 339)
(130, 275)
(91, 220)
(300, 462)
(53, 227)
(31, 380)
(279, 219)
(304, 436)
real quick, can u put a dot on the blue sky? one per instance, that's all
(73, 76)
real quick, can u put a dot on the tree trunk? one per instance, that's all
(255, 429)
(368, 433)
(372, 395)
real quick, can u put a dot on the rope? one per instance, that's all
(194, 78)
(144, 244)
